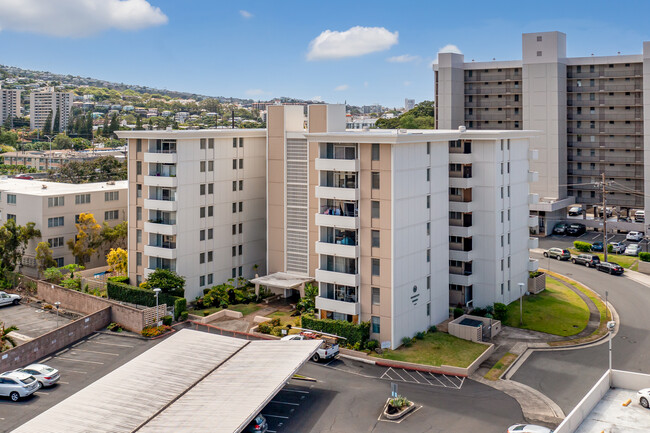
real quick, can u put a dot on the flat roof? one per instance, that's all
(192, 381)
(417, 135)
(35, 187)
(610, 415)
(193, 133)
(281, 280)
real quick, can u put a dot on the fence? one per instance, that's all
(57, 339)
(149, 314)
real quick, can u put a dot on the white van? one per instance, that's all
(639, 216)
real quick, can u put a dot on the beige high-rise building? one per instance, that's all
(9, 104)
(45, 101)
(594, 114)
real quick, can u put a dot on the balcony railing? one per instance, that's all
(335, 211)
(170, 245)
(162, 221)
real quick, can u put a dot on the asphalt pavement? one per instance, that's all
(566, 376)
(31, 321)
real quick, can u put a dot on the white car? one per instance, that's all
(632, 250)
(634, 236)
(329, 348)
(9, 298)
(575, 210)
(45, 375)
(618, 247)
(644, 397)
(17, 385)
(528, 428)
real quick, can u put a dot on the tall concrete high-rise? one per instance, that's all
(10, 104)
(45, 101)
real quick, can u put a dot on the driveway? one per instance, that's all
(32, 322)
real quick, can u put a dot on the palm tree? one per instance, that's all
(5, 339)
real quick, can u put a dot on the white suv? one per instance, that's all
(17, 385)
(634, 236)
(9, 298)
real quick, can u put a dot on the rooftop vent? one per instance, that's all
(43, 186)
(462, 128)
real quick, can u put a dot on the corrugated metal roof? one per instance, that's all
(190, 365)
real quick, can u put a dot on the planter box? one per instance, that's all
(537, 284)
(400, 414)
(644, 267)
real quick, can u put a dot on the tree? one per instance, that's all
(47, 127)
(105, 127)
(8, 122)
(168, 281)
(138, 123)
(62, 141)
(81, 143)
(422, 116)
(307, 303)
(5, 339)
(44, 257)
(13, 242)
(114, 237)
(56, 123)
(117, 260)
(114, 125)
(85, 243)
(53, 275)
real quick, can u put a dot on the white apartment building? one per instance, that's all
(54, 208)
(395, 225)
(197, 204)
(46, 100)
(594, 114)
(10, 104)
(409, 104)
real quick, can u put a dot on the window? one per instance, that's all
(539, 54)
(374, 234)
(241, 185)
(202, 166)
(111, 196)
(234, 164)
(82, 199)
(429, 144)
(508, 238)
(539, 39)
(428, 202)
(202, 212)
(428, 282)
(202, 189)
(501, 240)
(374, 209)
(210, 188)
(59, 261)
(202, 235)
(210, 211)
(202, 280)
(138, 213)
(428, 175)
(241, 228)
(501, 192)
(234, 272)
(508, 190)
(138, 259)
(375, 267)
(375, 295)
(209, 256)
(210, 165)
(428, 229)
(241, 271)
(138, 190)
(241, 163)
(502, 288)
(234, 251)
(138, 167)
(201, 258)
(202, 145)
(52, 222)
(508, 261)
(428, 308)
(210, 143)
(375, 180)
(234, 229)
(56, 242)
(428, 256)
(501, 216)
(241, 206)
(210, 278)
(138, 236)
(234, 208)
(138, 145)
(234, 185)
(374, 320)
(55, 201)
(501, 264)
(375, 152)
(111, 215)
(234, 142)
(11, 198)
(241, 141)
(210, 233)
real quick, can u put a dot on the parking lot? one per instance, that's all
(31, 321)
(79, 364)
(564, 241)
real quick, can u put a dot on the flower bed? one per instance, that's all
(154, 331)
(396, 408)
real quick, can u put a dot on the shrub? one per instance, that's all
(183, 316)
(372, 344)
(583, 247)
(534, 274)
(72, 283)
(481, 312)
(180, 306)
(115, 327)
(433, 329)
(135, 295)
(275, 321)
(644, 257)
(458, 312)
(53, 275)
(351, 332)
(500, 311)
(277, 331)
(167, 320)
(264, 328)
(399, 402)
(419, 335)
(168, 281)
(119, 279)
(154, 331)
(407, 341)
(610, 248)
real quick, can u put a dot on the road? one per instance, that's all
(565, 376)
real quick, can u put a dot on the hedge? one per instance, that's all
(135, 295)
(119, 279)
(644, 257)
(351, 332)
(583, 247)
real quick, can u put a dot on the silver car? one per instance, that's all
(9, 298)
(44, 374)
(17, 385)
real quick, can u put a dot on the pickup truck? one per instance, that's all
(329, 348)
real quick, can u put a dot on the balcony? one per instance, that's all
(350, 251)
(458, 206)
(533, 198)
(157, 226)
(165, 181)
(533, 265)
(160, 204)
(161, 158)
(327, 164)
(339, 278)
(533, 176)
(533, 243)
(344, 307)
(533, 221)
(463, 232)
(459, 182)
(338, 221)
(348, 194)
(160, 251)
(462, 280)
(463, 256)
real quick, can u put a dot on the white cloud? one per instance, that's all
(404, 58)
(245, 14)
(342, 87)
(450, 48)
(317, 98)
(354, 42)
(255, 92)
(407, 83)
(76, 18)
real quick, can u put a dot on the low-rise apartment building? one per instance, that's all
(45, 159)
(197, 204)
(54, 208)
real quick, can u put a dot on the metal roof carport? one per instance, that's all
(192, 381)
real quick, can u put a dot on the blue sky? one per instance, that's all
(261, 49)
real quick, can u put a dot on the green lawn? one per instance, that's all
(245, 309)
(557, 310)
(437, 348)
(625, 261)
(204, 311)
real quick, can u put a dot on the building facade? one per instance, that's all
(54, 208)
(45, 159)
(45, 101)
(593, 113)
(197, 204)
(396, 225)
(10, 104)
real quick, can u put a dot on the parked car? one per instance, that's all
(632, 250)
(329, 348)
(576, 211)
(644, 397)
(610, 268)
(559, 229)
(558, 253)
(45, 375)
(599, 211)
(639, 216)
(618, 247)
(597, 246)
(576, 229)
(624, 219)
(17, 385)
(9, 298)
(258, 425)
(634, 236)
(588, 260)
(528, 428)
(24, 177)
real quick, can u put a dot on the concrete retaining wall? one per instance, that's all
(214, 316)
(644, 267)
(473, 333)
(46, 344)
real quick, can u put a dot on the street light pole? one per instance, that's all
(521, 303)
(611, 325)
(57, 304)
(157, 291)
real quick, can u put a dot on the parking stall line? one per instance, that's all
(111, 344)
(285, 402)
(422, 376)
(295, 390)
(274, 416)
(80, 360)
(75, 371)
(94, 351)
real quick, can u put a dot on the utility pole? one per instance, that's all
(604, 219)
